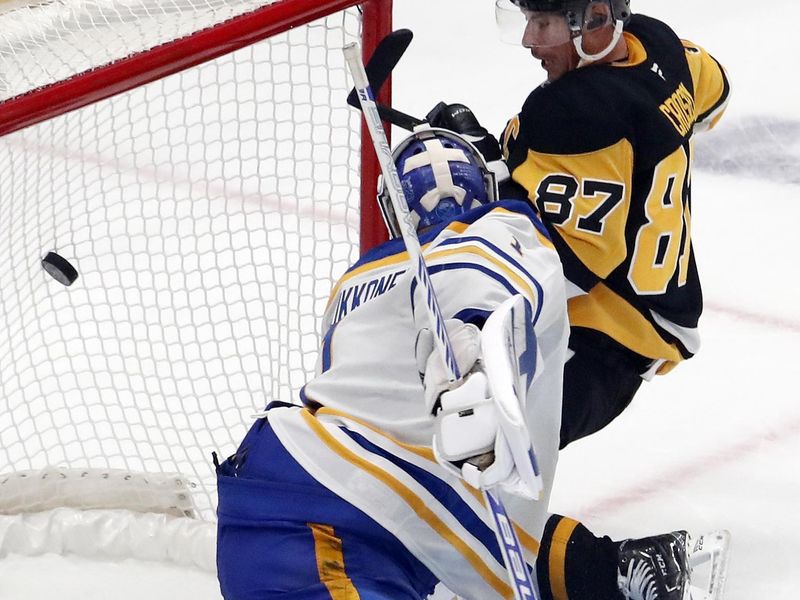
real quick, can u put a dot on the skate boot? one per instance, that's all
(662, 567)
(655, 568)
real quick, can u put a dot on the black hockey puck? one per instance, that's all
(59, 268)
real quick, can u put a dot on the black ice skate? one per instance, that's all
(662, 567)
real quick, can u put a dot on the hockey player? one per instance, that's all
(351, 495)
(603, 151)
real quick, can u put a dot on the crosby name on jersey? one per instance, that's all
(613, 186)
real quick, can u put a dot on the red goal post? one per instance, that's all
(208, 188)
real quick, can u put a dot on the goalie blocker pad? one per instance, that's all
(510, 360)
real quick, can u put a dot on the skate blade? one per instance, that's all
(708, 557)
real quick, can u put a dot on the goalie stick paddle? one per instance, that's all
(380, 66)
(518, 572)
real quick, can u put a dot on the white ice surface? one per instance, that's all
(713, 443)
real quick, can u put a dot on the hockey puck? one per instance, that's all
(59, 268)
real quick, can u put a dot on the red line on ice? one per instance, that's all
(679, 475)
(745, 315)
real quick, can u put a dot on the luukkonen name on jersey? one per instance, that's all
(354, 296)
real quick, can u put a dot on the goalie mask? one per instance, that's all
(557, 22)
(442, 176)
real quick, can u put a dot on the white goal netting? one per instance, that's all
(206, 214)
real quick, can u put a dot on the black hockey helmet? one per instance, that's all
(579, 16)
(574, 10)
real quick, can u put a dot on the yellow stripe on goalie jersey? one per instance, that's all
(395, 259)
(586, 197)
(416, 504)
(528, 542)
(330, 563)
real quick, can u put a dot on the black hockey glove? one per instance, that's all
(461, 120)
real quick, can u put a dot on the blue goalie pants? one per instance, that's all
(283, 535)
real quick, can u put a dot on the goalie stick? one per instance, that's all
(383, 60)
(518, 571)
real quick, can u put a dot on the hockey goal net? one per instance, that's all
(195, 161)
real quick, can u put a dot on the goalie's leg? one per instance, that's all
(281, 534)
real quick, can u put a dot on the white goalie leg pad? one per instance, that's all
(510, 359)
(709, 555)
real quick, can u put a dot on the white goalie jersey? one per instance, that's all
(365, 419)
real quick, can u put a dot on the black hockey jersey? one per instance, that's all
(604, 153)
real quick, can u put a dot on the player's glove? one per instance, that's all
(468, 440)
(461, 120)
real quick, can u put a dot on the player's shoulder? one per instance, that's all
(503, 213)
(594, 107)
(570, 116)
(657, 36)
(494, 226)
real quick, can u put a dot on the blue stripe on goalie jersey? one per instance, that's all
(454, 266)
(440, 490)
(507, 258)
(327, 342)
(475, 316)
(527, 360)
(396, 246)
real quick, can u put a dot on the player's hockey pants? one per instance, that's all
(284, 536)
(600, 381)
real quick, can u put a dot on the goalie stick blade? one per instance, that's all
(709, 555)
(381, 64)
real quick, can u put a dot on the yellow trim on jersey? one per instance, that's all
(330, 563)
(637, 53)
(709, 81)
(557, 563)
(415, 502)
(529, 542)
(501, 265)
(602, 251)
(421, 451)
(395, 259)
(603, 310)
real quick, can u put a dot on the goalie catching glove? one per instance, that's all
(469, 439)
